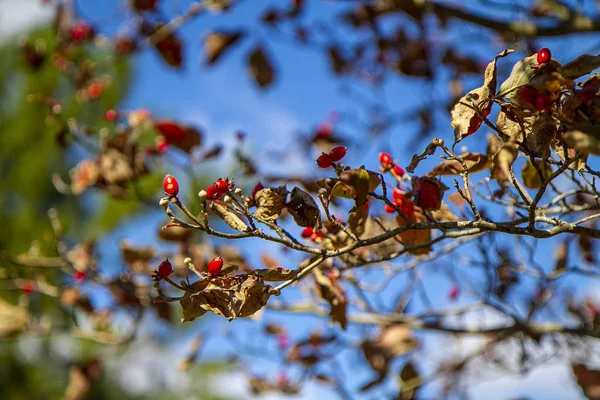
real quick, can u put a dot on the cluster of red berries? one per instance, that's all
(170, 185)
(326, 160)
(312, 234)
(540, 101)
(216, 190)
(387, 164)
(398, 197)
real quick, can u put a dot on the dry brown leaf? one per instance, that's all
(465, 120)
(261, 67)
(270, 202)
(582, 65)
(588, 380)
(230, 218)
(232, 297)
(413, 237)
(530, 176)
(581, 142)
(333, 293)
(410, 381)
(303, 208)
(475, 162)
(216, 44)
(276, 274)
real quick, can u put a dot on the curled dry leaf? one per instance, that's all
(232, 297)
(582, 65)
(561, 254)
(332, 292)
(13, 319)
(136, 257)
(216, 44)
(588, 380)
(582, 142)
(357, 218)
(475, 162)
(261, 67)
(465, 119)
(170, 49)
(174, 233)
(530, 176)
(303, 208)
(276, 274)
(502, 156)
(230, 218)
(356, 184)
(410, 382)
(394, 340)
(429, 151)
(270, 202)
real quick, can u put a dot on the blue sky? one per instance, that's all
(223, 99)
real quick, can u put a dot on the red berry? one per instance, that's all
(28, 287)
(162, 146)
(544, 55)
(324, 130)
(170, 185)
(397, 194)
(212, 193)
(390, 209)
(454, 292)
(110, 115)
(80, 276)
(307, 232)
(386, 160)
(528, 94)
(324, 161)
(337, 153)
(222, 186)
(543, 103)
(165, 269)
(95, 90)
(124, 46)
(215, 265)
(316, 236)
(398, 170)
(81, 31)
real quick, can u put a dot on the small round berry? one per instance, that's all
(389, 209)
(222, 186)
(337, 153)
(110, 115)
(398, 194)
(386, 160)
(398, 170)
(28, 287)
(95, 90)
(170, 185)
(162, 146)
(543, 103)
(124, 46)
(324, 129)
(324, 161)
(544, 55)
(528, 94)
(212, 193)
(307, 232)
(80, 276)
(454, 292)
(165, 269)
(215, 265)
(81, 31)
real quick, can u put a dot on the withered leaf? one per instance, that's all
(173, 233)
(261, 67)
(582, 65)
(136, 257)
(81, 379)
(587, 246)
(582, 142)
(144, 5)
(336, 60)
(357, 218)
(429, 151)
(410, 382)
(475, 162)
(232, 297)
(230, 218)
(413, 237)
(588, 380)
(530, 176)
(170, 49)
(276, 274)
(270, 202)
(269, 261)
(303, 208)
(465, 120)
(13, 319)
(562, 256)
(216, 44)
(428, 192)
(333, 293)
(503, 156)
(360, 181)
